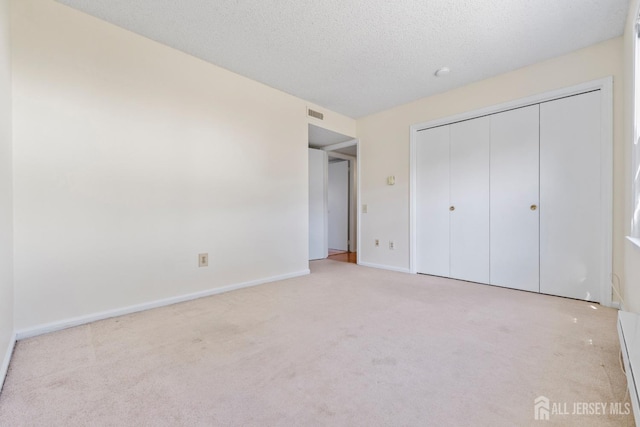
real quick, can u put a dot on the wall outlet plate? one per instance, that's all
(377, 242)
(203, 260)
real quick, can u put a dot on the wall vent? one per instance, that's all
(316, 114)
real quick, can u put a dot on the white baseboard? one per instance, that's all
(384, 267)
(627, 324)
(81, 320)
(4, 368)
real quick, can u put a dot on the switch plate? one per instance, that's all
(364, 208)
(203, 260)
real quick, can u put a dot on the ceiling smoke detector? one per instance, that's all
(442, 72)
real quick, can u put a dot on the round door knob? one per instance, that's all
(534, 207)
(452, 208)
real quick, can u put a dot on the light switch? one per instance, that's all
(364, 208)
(391, 180)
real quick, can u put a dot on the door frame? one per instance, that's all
(605, 85)
(345, 203)
(354, 187)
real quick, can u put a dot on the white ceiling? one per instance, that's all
(358, 57)
(321, 137)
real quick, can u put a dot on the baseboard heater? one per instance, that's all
(629, 333)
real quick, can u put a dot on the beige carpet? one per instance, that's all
(345, 346)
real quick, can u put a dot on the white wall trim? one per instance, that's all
(523, 102)
(606, 189)
(352, 246)
(81, 320)
(4, 368)
(631, 382)
(354, 186)
(384, 267)
(354, 191)
(413, 182)
(606, 86)
(358, 204)
(325, 242)
(354, 211)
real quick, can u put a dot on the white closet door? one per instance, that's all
(432, 201)
(469, 151)
(318, 163)
(570, 202)
(514, 199)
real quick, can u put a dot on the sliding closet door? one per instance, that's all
(514, 199)
(570, 201)
(469, 210)
(432, 201)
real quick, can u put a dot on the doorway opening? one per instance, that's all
(333, 195)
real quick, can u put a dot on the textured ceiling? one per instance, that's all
(358, 57)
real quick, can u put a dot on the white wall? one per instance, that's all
(333, 121)
(384, 143)
(6, 197)
(131, 158)
(631, 283)
(338, 196)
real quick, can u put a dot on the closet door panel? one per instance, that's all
(515, 198)
(432, 201)
(318, 248)
(469, 151)
(570, 200)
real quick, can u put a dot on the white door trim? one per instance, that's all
(605, 85)
(358, 202)
(355, 211)
(353, 201)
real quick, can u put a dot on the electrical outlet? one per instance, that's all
(391, 244)
(203, 260)
(377, 242)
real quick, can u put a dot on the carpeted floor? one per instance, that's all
(345, 346)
